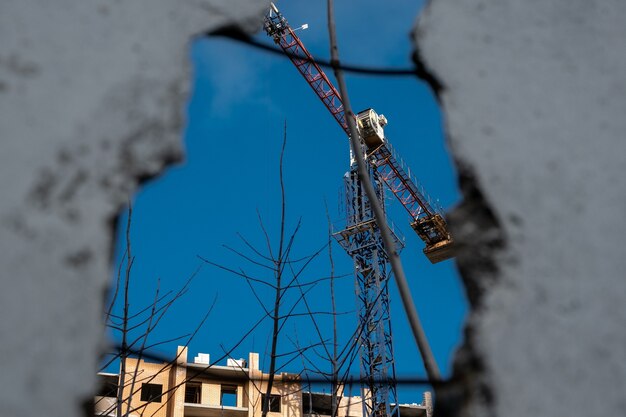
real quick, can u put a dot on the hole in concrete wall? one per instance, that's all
(240, 100)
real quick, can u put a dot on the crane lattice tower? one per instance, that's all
(361, 237)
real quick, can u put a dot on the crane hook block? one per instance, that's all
(370, 126)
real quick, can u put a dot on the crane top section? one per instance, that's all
(426, 219)
(275, 23)
(369, 123)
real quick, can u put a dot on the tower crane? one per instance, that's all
(361, 237)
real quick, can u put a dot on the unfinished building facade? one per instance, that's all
(198, 389)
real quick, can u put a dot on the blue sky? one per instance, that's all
(240, 99)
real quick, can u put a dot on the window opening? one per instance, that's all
(274, 404)
(316, 404)
(229, 396)
(108, 386)
(193, 393)
(151, 393)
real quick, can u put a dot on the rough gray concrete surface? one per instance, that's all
(92, 95)
(534, 100)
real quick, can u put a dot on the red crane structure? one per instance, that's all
(361, 237)
(426, 217)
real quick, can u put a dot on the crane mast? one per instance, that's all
(361, 238)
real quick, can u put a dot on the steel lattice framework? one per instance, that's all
(361, 237)
(277, 27)
(426, 218)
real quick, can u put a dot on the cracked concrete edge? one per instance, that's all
(478, 236)
(92, 98)
(532, 95)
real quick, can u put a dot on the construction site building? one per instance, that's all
(237, 389)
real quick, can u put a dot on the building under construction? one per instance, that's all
(365, 232)
(237, 389)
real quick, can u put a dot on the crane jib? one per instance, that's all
(313, 74)
(426, 219)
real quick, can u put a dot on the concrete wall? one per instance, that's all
(91, 102)
(534, 97)
(534, 100)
